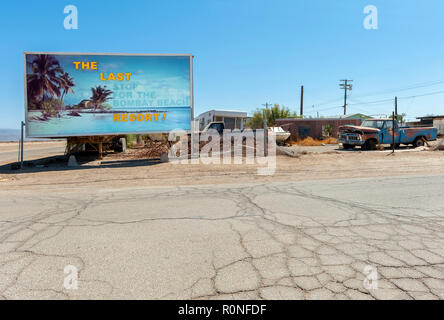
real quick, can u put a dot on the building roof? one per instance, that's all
(219, 112)
(430, 117)
(317, 119)
(357, 116)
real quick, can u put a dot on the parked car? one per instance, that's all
(373, 132)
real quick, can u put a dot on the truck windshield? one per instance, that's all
(219, 127)
(378, 124)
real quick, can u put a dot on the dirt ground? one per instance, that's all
(117, 171)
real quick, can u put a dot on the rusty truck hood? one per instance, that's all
(357, 128)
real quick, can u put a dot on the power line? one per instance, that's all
(410, 87)
(372, 102)
(330, 108)
(423, 95)
(392, 100)
(359, 109)
(327, 102)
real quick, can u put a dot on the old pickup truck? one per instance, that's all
(374, 132)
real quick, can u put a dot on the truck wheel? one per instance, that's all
(348, 146)
(419, 142)
(370, 145)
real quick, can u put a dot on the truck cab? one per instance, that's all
(219, 126)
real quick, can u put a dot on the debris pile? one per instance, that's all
(150, 150)
(439, 146)
(310, 142)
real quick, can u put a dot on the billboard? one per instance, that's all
(72, 94)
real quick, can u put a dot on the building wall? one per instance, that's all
(439, 124)
(232, 122)
(436, 122)
(204, 119)
(302, 128)
(413, 124)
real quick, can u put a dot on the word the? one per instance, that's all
(71, 21)
(86, 65)
(125, 117)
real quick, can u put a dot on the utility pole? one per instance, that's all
(396, 108)
(302, 101)
(265, 132)
(266, 105)
(266, 129)
(393, 133)
(346, 86)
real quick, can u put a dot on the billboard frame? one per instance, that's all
(191, 57)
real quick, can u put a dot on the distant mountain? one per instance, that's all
(9, 134)
(13, 135)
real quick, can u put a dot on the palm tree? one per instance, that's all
(44, 82)
(66, 84)
(99, 96)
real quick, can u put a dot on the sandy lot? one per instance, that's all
(313, 164)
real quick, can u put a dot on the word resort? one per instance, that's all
(125, 117)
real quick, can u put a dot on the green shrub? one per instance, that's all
(275, 112)
(51, 107)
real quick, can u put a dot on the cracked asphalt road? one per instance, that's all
(271, 240)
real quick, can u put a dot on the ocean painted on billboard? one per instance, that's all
(78, 95)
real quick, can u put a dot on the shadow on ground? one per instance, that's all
(85, 162)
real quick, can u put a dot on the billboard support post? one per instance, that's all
(21, 144)
(100, 150)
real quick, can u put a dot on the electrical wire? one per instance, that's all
(383, 101)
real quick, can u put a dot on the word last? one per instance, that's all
(117, 76)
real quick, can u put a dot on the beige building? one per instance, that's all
(232, 119)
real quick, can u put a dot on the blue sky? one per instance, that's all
(248, 52)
